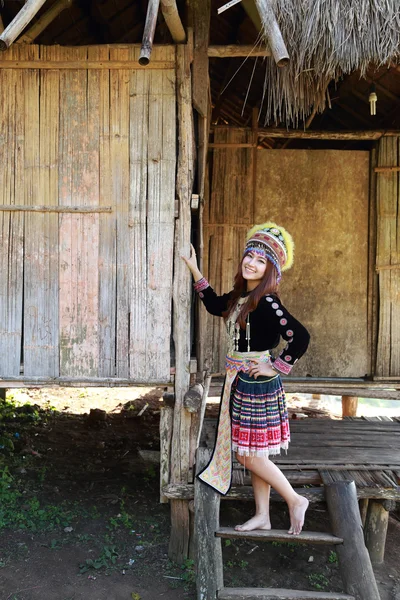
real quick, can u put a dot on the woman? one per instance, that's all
(253, 419)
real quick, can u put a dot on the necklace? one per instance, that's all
(233, 327)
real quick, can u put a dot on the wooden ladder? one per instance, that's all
(354, 562)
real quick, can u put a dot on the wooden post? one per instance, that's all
(355, 564)
(20, 21)
(166, 422)
(45, 20)
(376, 525)
(208, 550)
(179, 540)
(148, 34)
(201, 21)
(272, 32)
(349, 406)
(3, 392)
(363, 504)
(173, 21)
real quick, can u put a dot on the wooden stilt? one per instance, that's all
(355, 564)
(166, 422)
(179, 540)
(3, 392)
(376, 524)
(208, 550)
(349, 406)
(316, 396)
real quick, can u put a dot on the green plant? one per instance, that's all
(332, 558)
(228, 543)
(318, 581)
(188, 576)
(106, 560)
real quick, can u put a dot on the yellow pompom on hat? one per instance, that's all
(274, 241)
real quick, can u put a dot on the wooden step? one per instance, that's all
(277, 594)
(279, 535)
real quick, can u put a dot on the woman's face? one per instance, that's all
(253, 269)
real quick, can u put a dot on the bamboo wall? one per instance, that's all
(388, 259)
(86, 295)
(322, 198)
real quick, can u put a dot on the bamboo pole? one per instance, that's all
(148, 34)
(173, 21)
(20, 21)
(45, 20)
(272, 32)
(234, 50)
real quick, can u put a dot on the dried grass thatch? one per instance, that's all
(326, 39)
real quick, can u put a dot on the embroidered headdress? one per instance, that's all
(273, 242)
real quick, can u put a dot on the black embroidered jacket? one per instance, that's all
(268, 322)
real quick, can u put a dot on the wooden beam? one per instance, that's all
(1, 25)
(328, 135)
(148, 34)
(83, 64)
(173, 21)
(234, 50)
(201, 22)
(20, 21)
(57, 209)
(272, 32)
(45, 20)
(349, 406)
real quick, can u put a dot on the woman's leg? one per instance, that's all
(261, 519)
(272, 475)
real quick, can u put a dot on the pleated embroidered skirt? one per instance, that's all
(259, 418)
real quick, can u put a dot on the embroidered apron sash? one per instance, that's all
(218, 472)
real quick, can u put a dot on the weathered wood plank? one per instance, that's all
(119, 168)
(107, 232)
(274, 535)
(79, 173)
(278, 594)
(139, 109)
(160, 222)
(388, 353)
(185, 491)
(41, 333)
(11, 225)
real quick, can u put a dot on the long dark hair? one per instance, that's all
(267, 285)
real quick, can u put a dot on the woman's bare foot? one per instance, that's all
(257, 522)
(297, 512)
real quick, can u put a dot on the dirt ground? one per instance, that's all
(79, 510)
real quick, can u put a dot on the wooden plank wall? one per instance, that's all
(87, 295)
(388, 260)
(318, 196)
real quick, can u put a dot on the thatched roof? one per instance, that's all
(326, 40)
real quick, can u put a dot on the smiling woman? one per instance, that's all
(253, 420)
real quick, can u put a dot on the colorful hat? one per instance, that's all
(274, 242)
